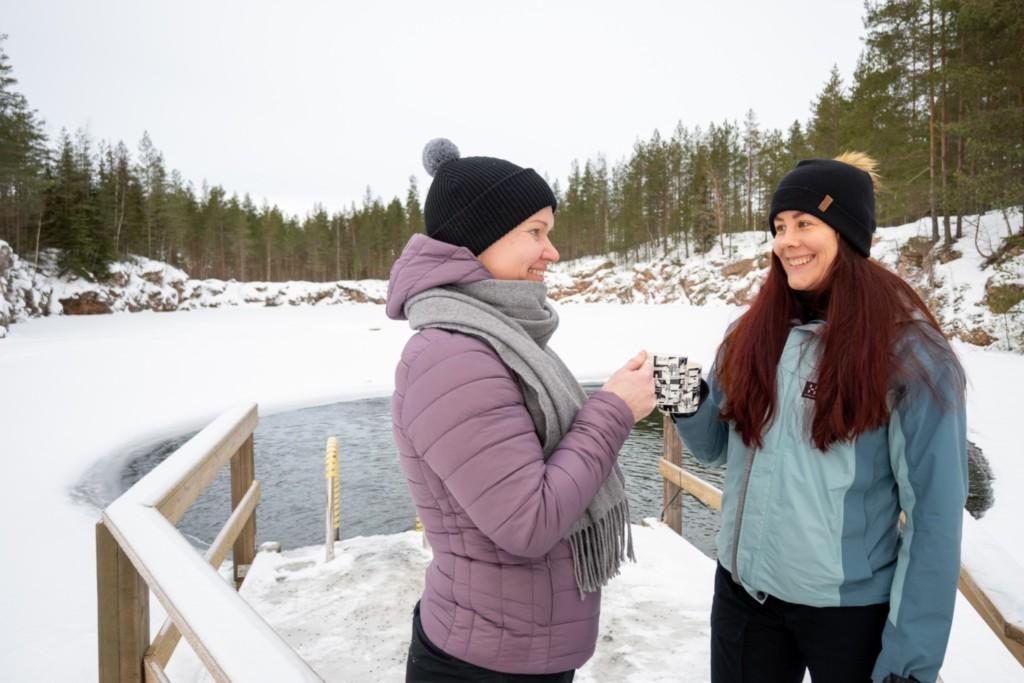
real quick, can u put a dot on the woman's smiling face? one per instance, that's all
(525, 251)
(806, 246)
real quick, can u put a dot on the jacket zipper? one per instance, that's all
(739, 516)
(746, 483)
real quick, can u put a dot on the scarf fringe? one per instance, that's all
(599, 549)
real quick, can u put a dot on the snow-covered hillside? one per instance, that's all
(141, 284)
(959, 284)
(976, 288)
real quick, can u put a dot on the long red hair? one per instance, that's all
(869, 313)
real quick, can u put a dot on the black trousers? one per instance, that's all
(428, 663)
(776, 641)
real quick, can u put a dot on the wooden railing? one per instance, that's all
(989, 601)
(138, 549)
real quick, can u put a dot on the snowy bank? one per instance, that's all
(958, 283)
(80, 389)
(138, 284)
(967, 285)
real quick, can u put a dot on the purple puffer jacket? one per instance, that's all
(500, 592)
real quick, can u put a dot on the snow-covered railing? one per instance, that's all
(989, 578)
(138, 549)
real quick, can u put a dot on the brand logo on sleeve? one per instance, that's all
(810, 390)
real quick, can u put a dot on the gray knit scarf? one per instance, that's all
(515, 318)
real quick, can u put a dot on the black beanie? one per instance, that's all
(474, 201)
(836, 192)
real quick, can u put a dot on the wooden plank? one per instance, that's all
(155, 672)
(122, 611)
(164, 644)
(242, 475)
(169, 636)
(134, 618)
(695, 486)
(106, 604)
(240, 519)
(188, 485)
(672, 452)
(995, 620)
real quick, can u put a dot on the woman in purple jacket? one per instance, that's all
(511, 467)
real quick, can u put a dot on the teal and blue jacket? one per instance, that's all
(821, 529)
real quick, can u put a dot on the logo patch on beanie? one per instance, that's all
(810, 390)
(825, 203)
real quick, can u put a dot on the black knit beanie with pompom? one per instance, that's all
(474, 201)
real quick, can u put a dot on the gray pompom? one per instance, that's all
(437, 152)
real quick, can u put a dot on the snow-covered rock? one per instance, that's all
(23, 290)
(140, 284)
(968, 286)
(958, 283)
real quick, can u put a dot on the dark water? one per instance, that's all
(289, 451)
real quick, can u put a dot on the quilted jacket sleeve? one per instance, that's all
(464, 414)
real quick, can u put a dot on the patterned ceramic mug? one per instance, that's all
(676, 384)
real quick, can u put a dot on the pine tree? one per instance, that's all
(775, 162)
(23, 160)
(413, 211)
(826, 131)
(751, 163)
(153, 179)
(72, 220)
(937, 96)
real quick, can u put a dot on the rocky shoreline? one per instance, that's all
(977, 298)
(31, 291)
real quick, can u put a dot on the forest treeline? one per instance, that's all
(937, 97)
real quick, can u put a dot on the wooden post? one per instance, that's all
(122, 608)
(242, 475)
(329, 523)
(332, 515)
(672, 498)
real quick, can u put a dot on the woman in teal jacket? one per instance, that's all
(836, 403)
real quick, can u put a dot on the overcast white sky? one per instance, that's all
(299, 102)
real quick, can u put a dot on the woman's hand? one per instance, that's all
(634, 384)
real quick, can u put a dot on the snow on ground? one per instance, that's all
(74, 390)
(351, 618)
(78, 389)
